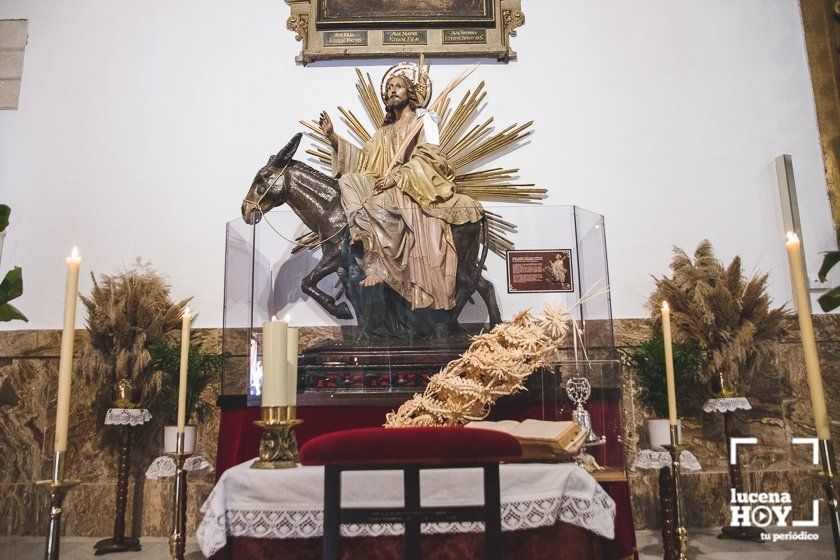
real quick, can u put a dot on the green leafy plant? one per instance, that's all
(830, 300)
(204, 368)
(5, 212)
(127, 314)
(648, 361)
(724, 313)
(11, 287)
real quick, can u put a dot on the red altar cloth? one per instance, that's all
(239, 441)
(560, 542)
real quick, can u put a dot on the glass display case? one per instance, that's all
(532, 255)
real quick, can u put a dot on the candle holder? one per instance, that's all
(58, 488)
(127, 419)
(828, 476)
(278, 445)
(675, 449)
(178, 538)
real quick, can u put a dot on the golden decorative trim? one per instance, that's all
(299, 24)
(511, 19)
(822, 39)
(404, 35)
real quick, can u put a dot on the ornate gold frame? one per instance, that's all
(323, 21)
(404, 37)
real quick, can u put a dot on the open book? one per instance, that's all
(541, 440)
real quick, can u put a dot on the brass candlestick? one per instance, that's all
(178, 538)
(58, 488)
(278, 446)
(828, 476)
(675, 449)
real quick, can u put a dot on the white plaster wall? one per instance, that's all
(141, 124)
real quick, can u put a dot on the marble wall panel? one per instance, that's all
(24, 392)
(23, 509)
(28, 372)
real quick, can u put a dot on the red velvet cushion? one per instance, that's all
(397, 446)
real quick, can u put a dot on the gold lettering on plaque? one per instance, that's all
(404, 37)
(464, 36)
(345, 38)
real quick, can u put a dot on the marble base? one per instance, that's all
(28, 373)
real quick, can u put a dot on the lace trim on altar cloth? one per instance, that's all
(127, 416)
(596, 514)
(164, 466)
(649, 459)
(729, 404)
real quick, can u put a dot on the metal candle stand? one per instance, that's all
(178, 538)
(58, 487)
(828, 476)
(278, 445)
(675, 449)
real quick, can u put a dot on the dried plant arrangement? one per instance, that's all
(127, 314)
(725, 313)
(496, 364)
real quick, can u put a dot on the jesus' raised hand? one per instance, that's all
(327, 128)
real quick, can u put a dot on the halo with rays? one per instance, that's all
(468, 146)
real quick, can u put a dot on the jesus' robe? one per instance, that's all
(405, 231)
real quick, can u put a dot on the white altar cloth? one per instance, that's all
(288, 503)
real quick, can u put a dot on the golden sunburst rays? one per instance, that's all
(452, 124)
(322, 154)
(370, 99)
(480, 143)
(498, 230)
(356, 127)
(466, 143)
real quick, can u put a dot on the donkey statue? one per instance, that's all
(380, 312)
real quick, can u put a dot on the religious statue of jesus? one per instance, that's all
(400, 220)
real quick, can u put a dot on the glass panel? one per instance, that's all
(562, 259)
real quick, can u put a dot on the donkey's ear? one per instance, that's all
(285, 155)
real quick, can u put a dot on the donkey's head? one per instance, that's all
(271, 185)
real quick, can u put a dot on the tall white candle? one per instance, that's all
(275, 348)
(65, 364)
(806, 332)
(669, 364)
(182, 379)
(292, 364)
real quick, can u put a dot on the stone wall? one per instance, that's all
(28, 379)
(13, 38)
(28, 384)
(781, 410)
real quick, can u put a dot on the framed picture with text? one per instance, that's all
(543, 270)
(342, 29)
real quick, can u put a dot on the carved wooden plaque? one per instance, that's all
(341, 29)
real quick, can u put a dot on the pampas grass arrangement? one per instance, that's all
(725, 313)
(127, 314)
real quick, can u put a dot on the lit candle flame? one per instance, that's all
(287, 318)
(665, 306)
(274, 318)
(74, 255)
(792, 237)
(186, 312)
